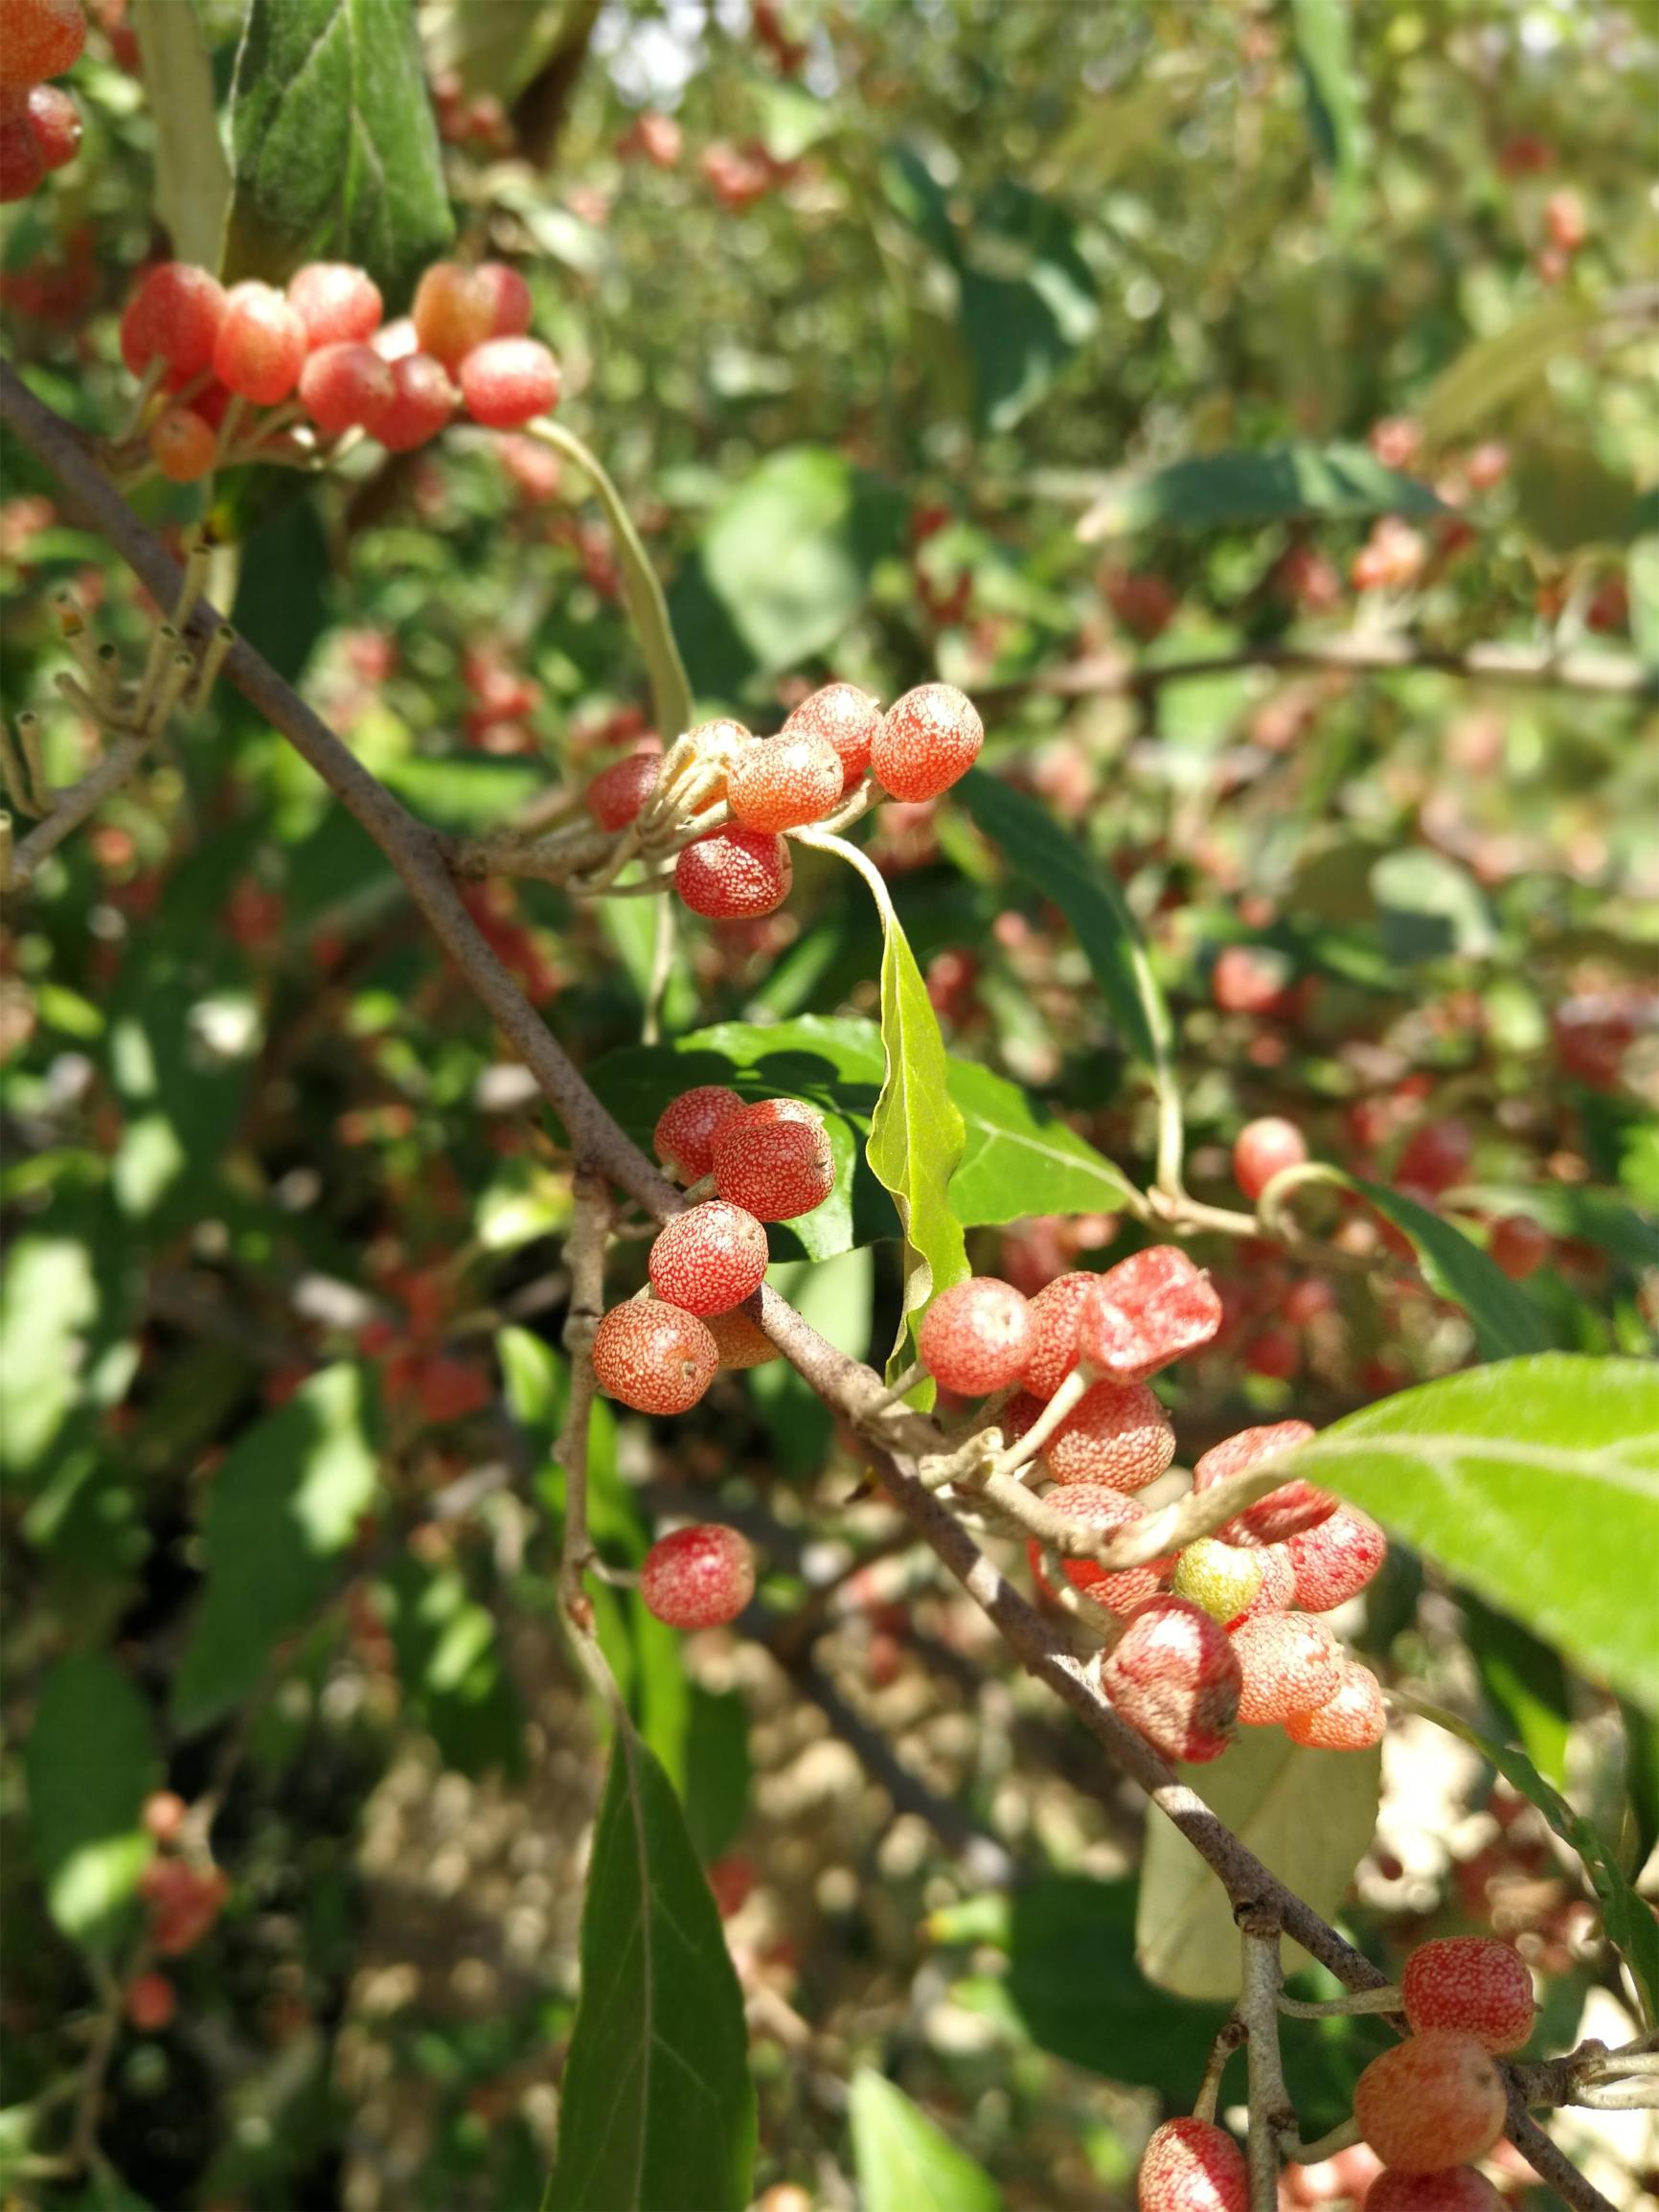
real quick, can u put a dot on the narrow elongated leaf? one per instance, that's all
(1641, 1780)
(1241, 491)
(1535, 1482)
(1308, 1816)
(658, 2111)
(904, 2163)
(450, 1667)
(1492, 373)
(333, 149)
(193, 180)
(1325, 56)
(90, 1762)
(1525, 1679)
(1506, 1322)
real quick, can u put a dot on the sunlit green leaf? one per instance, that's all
(906, 2163)
(90, 1762)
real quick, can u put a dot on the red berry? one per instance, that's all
(1305, 1301)
(1278, 1591)
(1448, 2189)
(55, 122)
(1057, 1313)
(510, 302)
(339, 305)
(1120, 1590)
(454, 311)
(974, 1337)
(260, 348)
(346, 386)
(1288, 1663)
(617, 793)
(742, 1344)
(422, 401)
(1248, 980)
(1263, 1149)
(848, 717)
(1335, 1560)
(1436, 1157)
(22, 164)
(506, 381)
(174, 316)
(1351, 1719)
(150, 2002)
(698, 1578)
(656, 1358)
(709, 1258)
(1434, 2101)
(182, 445)
(685, 1131)
(925, 741)
(1192, 2166)
(773, 1158)
(38, 38)
(1274, 1352)
(1149, 1310)
(734, 874)
(1472, 1983)
(1284, 1512)
(781, 782)
(1116, 1434)
(165, 1813)
(395, 341)
(1518, 1245)
(1174, 1675)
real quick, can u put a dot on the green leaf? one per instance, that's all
(1488, 375)
(1641, 1779)
(449, 1663)
(1594, 1216)
(89, 1764)
(1027, 301)
(1308, 1816)
(906, 2164)
(285, 1511)
(1241, 491)
(718, 1768)
(835, 1296)
(1525, 1679)
(657, 2112)
(193, 180)
(333, 149)
(1534, 1482)
(1506, 1322)
(48, 1301)
(1335, 117)
(1429, 908)
(494, 50)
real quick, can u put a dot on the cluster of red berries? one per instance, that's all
(917, 749)
(183, 1902)
(1426, 2108)
(40, 122)
(1221, 1632)
(322, 346)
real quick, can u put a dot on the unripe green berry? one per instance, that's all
(1219, 1576)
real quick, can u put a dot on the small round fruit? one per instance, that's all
(848, 717)
(339, 305)
(174, 316)
(1288, 1663)
(1447, 2189)
(508, 382)
(149, 2001)
(1475, 1984)
(617, 793)
(1437, 1155)
(38, 39)
(1056, 1313)
(709, 1258)
(1192, 2166)
(1284, 1512)
(1436, 2100)
(1351, 1719)
(346, 386)
(783, 781)
(1106, 1512)
(1221, 1577)
(55, 122)
(165, 1814)
(656, 1358)
(684, 1132)
(1263, 1149)
(974, 1337)
(22, 164)
(422, 401)
(261, 346)
(510, 301)
(182, 445)
(1336, 1559)
(734, 874)
(1117, 1434)
(1150, 1308)
(1518, 1245)
(927, 740)
(1174, 1675)
(698, 1578)
(454, 311)
(774, 1158)
(742, 1343)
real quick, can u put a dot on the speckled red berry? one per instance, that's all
(848, 717)
(1056, 1313)
(174, 316)
(780, 783)
(346, 386)
(22, 164)
(1263, 1149)
(1334, 1560)
(1449, 2189)
(927, 740)
(709, 1258)
(1175, 1677)
(1518, 1245)
(510, 302)
(54, 119)
(1434, 2101)
(1475, 1984)
(974, 1337)
(38, 38)
(508, 382)
(1119, 1589)
(698, 1578)
(684, 1132)
(182, 445)
(1288, 1663)
(774, 1158)
(261, 346)
(1117, 1434)
(656, 1358)
(338, 304)
(617, 793)
(423, 401)
(1284, 1512)
(734, 874)
(1192, 2166)
(454, 310)
(1351, 1719)
(742, 1343)
(1150, 1308)
(1436, 1157)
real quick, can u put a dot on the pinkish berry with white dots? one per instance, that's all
(1452, 2189)
(1106, 1512)
(709, 1258)
(1116, 1434)
(261, 346)
(1351, 1719)
(1288, 1663)
(698, 1578)
(1335, 1560)
(775, 1159)
(1264, 1148)
(974, 1337)
(508, 382)
(617, 793)
(1056, 1313)
(927, 740)
(1192, 2166)
(734, 874)
(1147, 1311)
(339, 305)
(345, 387)
(783, 781)
(1172, 1675)
(1436, 2100)
(742, 1343)
(1475, 1984)
(684, 1132)
(848, 717)
(656, 1358)
(1284, 1512)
